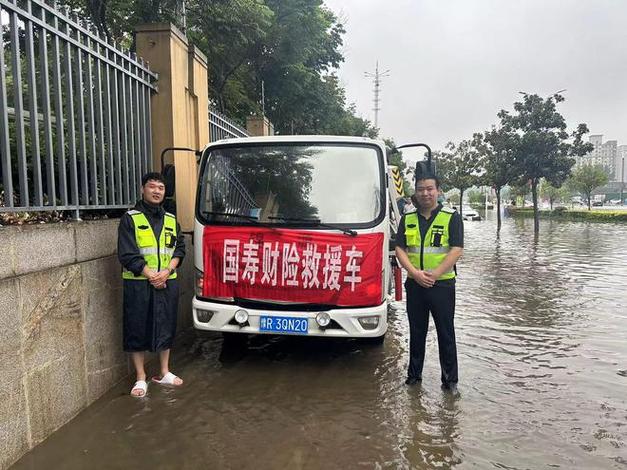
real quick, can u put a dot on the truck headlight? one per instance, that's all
(323, 319)
(241, 317)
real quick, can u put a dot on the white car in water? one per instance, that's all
(468, 213)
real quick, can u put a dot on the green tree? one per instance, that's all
(290, 47)
(297, 63)
(586, 178)
(497, 150)
(117, 19)
(476, 196)
(453, 198)
(548, 191)
(519, 192)
(545, 149)
(232, 34)
(564, 193)
(459, 167)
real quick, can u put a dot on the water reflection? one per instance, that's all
(433, 430)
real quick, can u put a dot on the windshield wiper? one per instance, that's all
(315, 222)
(228, 214)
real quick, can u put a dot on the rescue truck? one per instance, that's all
(292, 237)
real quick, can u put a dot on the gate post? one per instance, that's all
(179, 109)
(259, 126)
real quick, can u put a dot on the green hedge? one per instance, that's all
(576, 214)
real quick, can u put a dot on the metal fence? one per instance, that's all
(221, 127)
(74, 113)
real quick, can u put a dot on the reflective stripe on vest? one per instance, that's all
(427, 249)
(432, 256)
(154, 251)
(157, 254)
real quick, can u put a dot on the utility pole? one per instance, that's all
(377, 76)
(183, 16)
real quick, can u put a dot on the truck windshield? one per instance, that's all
(289, 184)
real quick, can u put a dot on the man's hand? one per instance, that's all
(419, 276)
(158, 280)
(423, 278)
(433, 275)
(148, 273)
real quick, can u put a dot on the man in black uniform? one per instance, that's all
(150, 248)
(428, 244)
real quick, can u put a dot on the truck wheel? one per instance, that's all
(234, 338)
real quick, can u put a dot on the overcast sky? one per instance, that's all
(455, 64)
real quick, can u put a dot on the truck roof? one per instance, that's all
(297, 138)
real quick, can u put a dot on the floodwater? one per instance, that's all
(542, 341)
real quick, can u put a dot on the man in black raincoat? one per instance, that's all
(150, 248)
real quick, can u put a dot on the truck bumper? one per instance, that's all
(345, 322)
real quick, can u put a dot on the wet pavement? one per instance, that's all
(542, 344)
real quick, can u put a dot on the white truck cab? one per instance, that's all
(292, 237)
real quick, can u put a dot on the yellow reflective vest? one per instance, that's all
(156, 253)
(429, 253)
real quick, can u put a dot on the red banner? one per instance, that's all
(301, 266)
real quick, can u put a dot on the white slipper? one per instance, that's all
(167, 379)
(140, 385)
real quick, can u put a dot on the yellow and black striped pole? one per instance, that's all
(398, 181)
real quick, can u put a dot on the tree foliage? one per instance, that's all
(519, 192)
(550, 192)
(231, 33)
(586, 178)
(459, 167)
(476, 196)
(117, 19)
(544, 148)
(497, 149)
(290, 47)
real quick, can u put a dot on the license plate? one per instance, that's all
(283, 324)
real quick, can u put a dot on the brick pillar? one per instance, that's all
(259, 126)
(179, 110)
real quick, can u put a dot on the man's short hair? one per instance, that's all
(152, 176)
(428, 177)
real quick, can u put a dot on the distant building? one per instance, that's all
(605, 154)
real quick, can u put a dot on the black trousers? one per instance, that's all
(440, 301)
(149, 315)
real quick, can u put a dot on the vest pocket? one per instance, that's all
(411, 238)
(144, 240)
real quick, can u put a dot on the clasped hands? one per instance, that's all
(157, 278)
(424, 278)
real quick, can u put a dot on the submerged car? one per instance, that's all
(470, 214)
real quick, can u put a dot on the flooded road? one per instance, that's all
(542, 344)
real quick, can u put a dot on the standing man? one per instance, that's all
(150, 248)
(428, 244)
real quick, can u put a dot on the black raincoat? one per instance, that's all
(149, 313)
